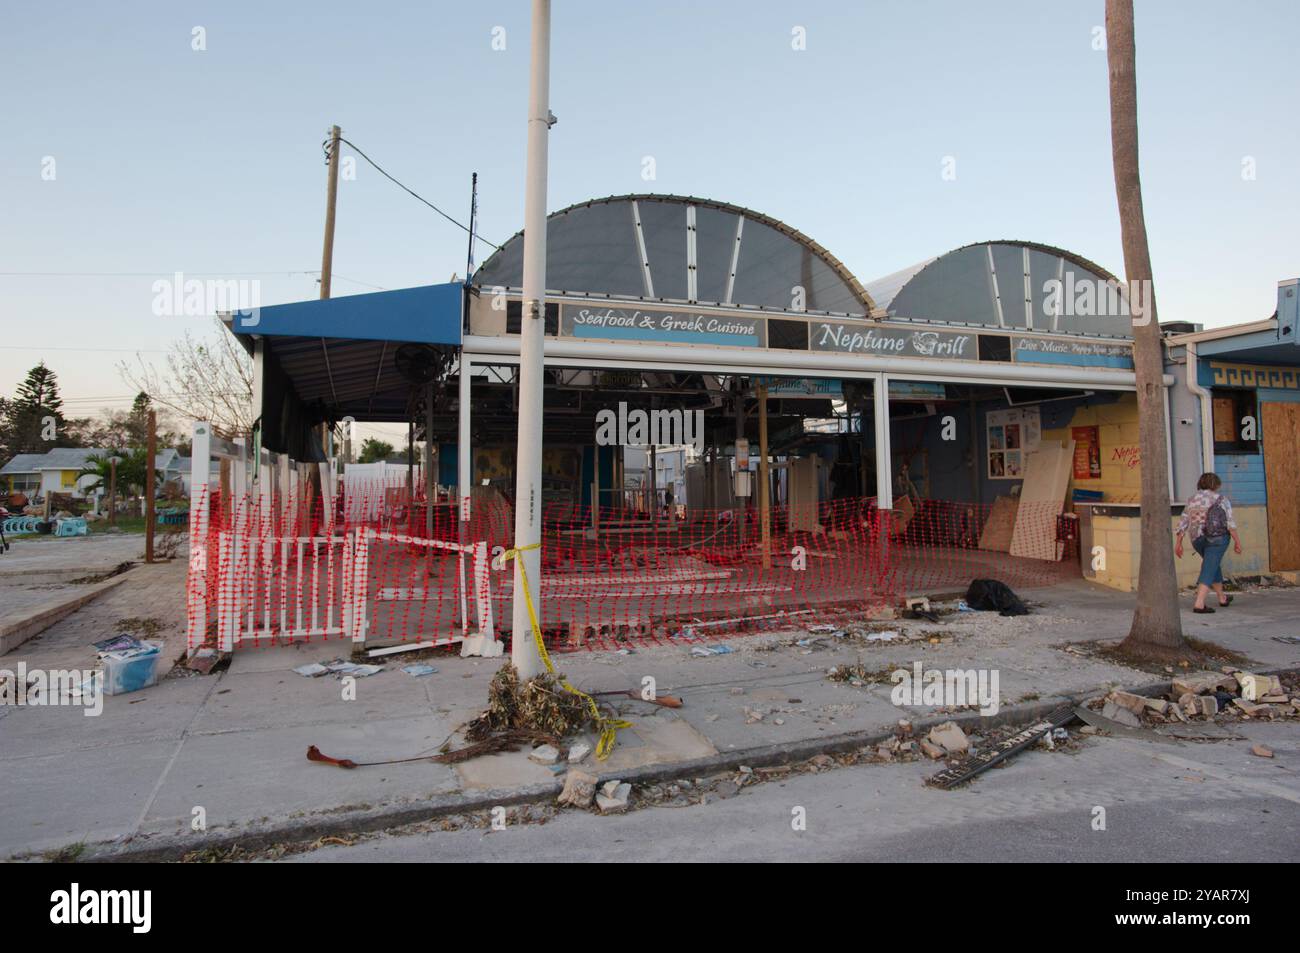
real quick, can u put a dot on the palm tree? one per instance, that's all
(1157, 627)
(132, 470)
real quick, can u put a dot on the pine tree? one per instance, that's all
(137, 421)
(34, 420)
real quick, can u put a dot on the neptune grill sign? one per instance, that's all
(674, 327)
(891, 342)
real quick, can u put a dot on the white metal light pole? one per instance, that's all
(528, 457)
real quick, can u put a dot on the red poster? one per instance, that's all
(1087, 453)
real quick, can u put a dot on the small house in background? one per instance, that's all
(172, 469)
(55, 471)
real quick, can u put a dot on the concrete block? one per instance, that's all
(1134, 703)
(950, 737)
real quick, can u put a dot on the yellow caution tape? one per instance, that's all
(608, 727)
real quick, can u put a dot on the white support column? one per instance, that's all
(884, 462)
(483, 641)
(464, 454)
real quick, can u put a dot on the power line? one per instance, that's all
(52, 347)
(364, 284)
(380, 169)
(153, 274)
(193, 274)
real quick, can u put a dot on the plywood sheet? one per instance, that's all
(1000, 524)
(1282, 481)
(904, 511)
(803, 488)
(1042, 499)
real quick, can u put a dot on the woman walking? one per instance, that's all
(1208, 516)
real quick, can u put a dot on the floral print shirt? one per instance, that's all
(1196, 508)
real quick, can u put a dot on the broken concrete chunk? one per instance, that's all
(579, 789)
(1122, 715)
(1157, 705)
(1255, 687)
(578, 750)
(545, 754)
(1134, 703)
(932, 750)
(1199, 683)
(613, 797)
(950, 737)
(1199, 706)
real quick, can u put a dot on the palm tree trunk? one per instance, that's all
(1156, 621)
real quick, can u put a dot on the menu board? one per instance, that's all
(1011, 435)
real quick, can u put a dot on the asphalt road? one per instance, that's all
(1194, 802)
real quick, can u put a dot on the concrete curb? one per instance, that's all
(14, 632)
(171, 847)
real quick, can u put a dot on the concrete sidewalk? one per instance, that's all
(230, 747)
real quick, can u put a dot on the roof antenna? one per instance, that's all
(473, 215)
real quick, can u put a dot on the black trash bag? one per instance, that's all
(989, 595)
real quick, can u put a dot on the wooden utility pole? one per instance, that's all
(149, 485)
(112, 491)
(327, 257)
(764, 504)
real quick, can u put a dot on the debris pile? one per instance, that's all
(859, 675)
(1225, 695)
(539, 704)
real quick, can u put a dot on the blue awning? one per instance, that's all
(338, 355)
(426, 315)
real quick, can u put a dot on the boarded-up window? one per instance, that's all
(1236, 421)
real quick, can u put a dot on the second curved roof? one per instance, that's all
(1007, 284)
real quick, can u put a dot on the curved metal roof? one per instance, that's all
(1006, 284)
(684, 250)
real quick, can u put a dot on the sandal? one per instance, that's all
(1202, 610)
(1226, 603)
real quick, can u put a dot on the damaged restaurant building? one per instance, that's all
(818, 440)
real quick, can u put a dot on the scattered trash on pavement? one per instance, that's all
(701, 651)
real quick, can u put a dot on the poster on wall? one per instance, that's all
(1087, 453)
(1012, 435)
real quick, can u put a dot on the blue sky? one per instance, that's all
(209, 162)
